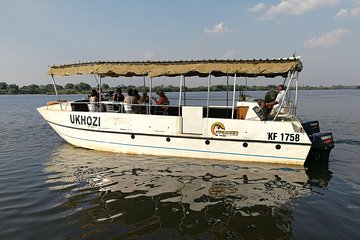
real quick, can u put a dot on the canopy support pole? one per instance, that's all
(100, 108)
(144, 83)
(184, 91)
(56, 92)
(96, 79)
(246, 86)
(286, 95)
(296, 91)
(180, 91)
(208, 97)
(150, 96)
(233, 103)
(227, 89)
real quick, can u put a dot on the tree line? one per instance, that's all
(84, 88)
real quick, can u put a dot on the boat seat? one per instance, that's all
(161, 111)
(93, 107)
(286, 112)
(128, 108)
(109, 108)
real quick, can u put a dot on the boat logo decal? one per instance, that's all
(218, 129)
(85, 120)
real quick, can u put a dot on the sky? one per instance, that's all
(39, 33)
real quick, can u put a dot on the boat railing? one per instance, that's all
(215, 111)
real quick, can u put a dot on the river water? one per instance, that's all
(52, 190)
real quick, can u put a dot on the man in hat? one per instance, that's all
(162, 100)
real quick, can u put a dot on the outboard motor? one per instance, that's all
(311, 127)
(322, 143)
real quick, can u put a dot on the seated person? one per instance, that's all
(144, 98)
(162, 100)
(118, 96)
(137, 95)
(94, 101)
(129, 101)
(261, 111)
(274, 106)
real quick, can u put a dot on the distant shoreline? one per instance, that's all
(84, 88)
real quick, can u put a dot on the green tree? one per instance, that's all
(13, 89)
(69, 86)
(31, 89)
(105, 86)
(49, 88)
(83, 87)
(3, 85)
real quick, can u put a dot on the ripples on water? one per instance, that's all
(124, 196)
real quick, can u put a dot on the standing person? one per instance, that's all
(129, 101)
(118, 96)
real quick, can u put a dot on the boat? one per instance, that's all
(236, 132)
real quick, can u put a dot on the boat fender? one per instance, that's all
(55, 102)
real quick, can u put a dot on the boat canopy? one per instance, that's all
(201, 68)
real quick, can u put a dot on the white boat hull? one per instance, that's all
(224, 139)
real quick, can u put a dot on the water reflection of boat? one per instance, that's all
(151, 195)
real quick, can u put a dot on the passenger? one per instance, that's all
(129, 101)
(144, 98)
(98, 91)
(118, 96)
(136, 94)
(261, 111)
(274, 106)
(163, 100)
(94, 101)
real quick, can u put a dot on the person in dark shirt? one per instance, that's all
(118, 96)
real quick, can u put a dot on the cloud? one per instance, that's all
(295, 7)
(355, 12)
(356, 2)
(343, 13)
(149, 56)
(218, 29)
(258, 7)
(326, 40)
